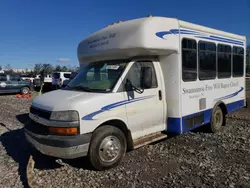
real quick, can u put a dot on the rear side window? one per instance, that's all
(3, 77)
(189, 60)
(224, 61)
(56, 75)
(207, 60)
(238, 61)
(67, 75)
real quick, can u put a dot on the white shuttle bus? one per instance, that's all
(139, 81)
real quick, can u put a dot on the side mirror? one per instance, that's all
(146, 77)
(128, 85)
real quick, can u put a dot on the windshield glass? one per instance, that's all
(98, 76)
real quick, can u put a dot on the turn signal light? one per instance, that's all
(63, 131)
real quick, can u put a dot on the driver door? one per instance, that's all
(14, 83)
(145, 109)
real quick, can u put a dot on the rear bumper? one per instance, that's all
(65, 147)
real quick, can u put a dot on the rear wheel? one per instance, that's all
(217, 119)
(25, 90)
(107, 148)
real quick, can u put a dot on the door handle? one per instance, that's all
(160, 95)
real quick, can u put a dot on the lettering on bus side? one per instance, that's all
(199, 92)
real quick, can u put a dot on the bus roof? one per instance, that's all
(143, 36)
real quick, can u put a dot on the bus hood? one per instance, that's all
(60, 100)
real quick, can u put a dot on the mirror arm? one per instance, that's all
(140, 91)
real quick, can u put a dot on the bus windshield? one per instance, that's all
(98, 76)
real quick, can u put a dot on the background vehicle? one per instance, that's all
(72, 76)
(28, 77)
(59, 78)
(14, 84)
(47, 81)
(144, 79)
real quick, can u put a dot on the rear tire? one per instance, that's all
(25, 90)
(217, 120)
(107, 148)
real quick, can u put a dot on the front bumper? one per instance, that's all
(65, 147)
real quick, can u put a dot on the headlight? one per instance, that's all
(65, 116)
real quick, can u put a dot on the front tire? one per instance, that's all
(107, 148)
(25, 90)
(217, 120)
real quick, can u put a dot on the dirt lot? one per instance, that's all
(196, 159)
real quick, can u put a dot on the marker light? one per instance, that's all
(63, 131)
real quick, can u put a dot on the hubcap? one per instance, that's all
(218, 118)
(109, 149)
(25, 91)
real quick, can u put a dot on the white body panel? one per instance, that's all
(55, 81)
(48, 78)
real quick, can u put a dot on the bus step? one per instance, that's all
(149, 139)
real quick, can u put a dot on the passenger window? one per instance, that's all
(238, 61)
(224, 61)
(67, 75)
(3, 77)
(189, 60)
(15, 78)
(134, 74)
(207, 60)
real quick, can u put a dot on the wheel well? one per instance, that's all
(224, 110)
(123, 127)
(25, 86)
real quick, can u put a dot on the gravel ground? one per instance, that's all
(195, 159)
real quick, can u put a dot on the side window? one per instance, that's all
(207, 60)
(3, 77)
(189, 60)
(14, 78)
(224, 61)
(66, 75)
(134, 73)
(238, 61)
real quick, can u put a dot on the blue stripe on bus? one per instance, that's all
(230, 96)
(196, 34)
(174, 125)
(114, 105)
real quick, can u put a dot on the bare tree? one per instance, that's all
(38, 68)
(8, 67)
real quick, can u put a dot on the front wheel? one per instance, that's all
(25, 90)
(107, 148)
(217, 120)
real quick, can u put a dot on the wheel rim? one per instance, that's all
(218, 119)
(25, 91)
(109, 149)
